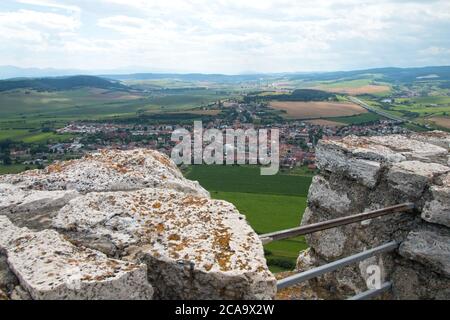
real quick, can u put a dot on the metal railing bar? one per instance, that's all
(369, 294)
(307, 275)
(320, 226)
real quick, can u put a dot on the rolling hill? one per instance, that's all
(60, 83)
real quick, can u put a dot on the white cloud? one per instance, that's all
(51, 4)
(230, 35)
(33, 25)
(435, 51)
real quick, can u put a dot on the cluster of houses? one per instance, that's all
(297, 138)
(380, 128)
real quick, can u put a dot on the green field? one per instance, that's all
(28, 109)
(33, 136)
(358, 119)
(248, 179)
(15, 168)
(270, 203)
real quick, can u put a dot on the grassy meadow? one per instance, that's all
(270, 203)
(357, 119)
(33, 136)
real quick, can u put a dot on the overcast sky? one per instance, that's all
(226, 36)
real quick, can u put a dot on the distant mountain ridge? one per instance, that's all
(389, 74)
(60, 83)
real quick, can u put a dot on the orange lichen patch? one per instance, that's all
(207, 266)
(58, 166)
(54, 168)
(162, 159)
(87, 278)
(156, 205)
(179, 246)
(194, 201)
(260, 269)
(160, 228)
(223, 260)
(221, 242)
(302, 291)
(174, 237)
(174, 255)
(243, 265)
(120, 168)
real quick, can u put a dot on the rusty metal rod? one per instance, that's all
(299, 231)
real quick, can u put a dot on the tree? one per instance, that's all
(7, 159)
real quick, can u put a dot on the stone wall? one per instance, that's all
(359, 174)
(124, 225)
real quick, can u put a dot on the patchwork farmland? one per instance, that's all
(317, 109)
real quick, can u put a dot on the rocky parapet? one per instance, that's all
(124, 223)
(359, 174)
(49, 267)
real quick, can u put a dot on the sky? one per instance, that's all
(224, 36)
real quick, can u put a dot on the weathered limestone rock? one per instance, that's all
(31, 208)
(330, 243)
(108, 171)
(13, 199)
(359, 148)
(306, 261)
(411, 177)
(322, 195)
(170, 230)
(438, 138)
(136, 207)
(430, 247)
(355, 160)
(438, 209)
(49, 267)
(412, 282)
(359, 174)
(410, 148)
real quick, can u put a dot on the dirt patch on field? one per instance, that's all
(441, 121)
(317, 109)
(326, 123)
(367, 89)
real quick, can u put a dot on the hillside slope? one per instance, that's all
(57, 84)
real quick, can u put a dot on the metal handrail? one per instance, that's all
(299, 231)
(369, 294)
(313, 273)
